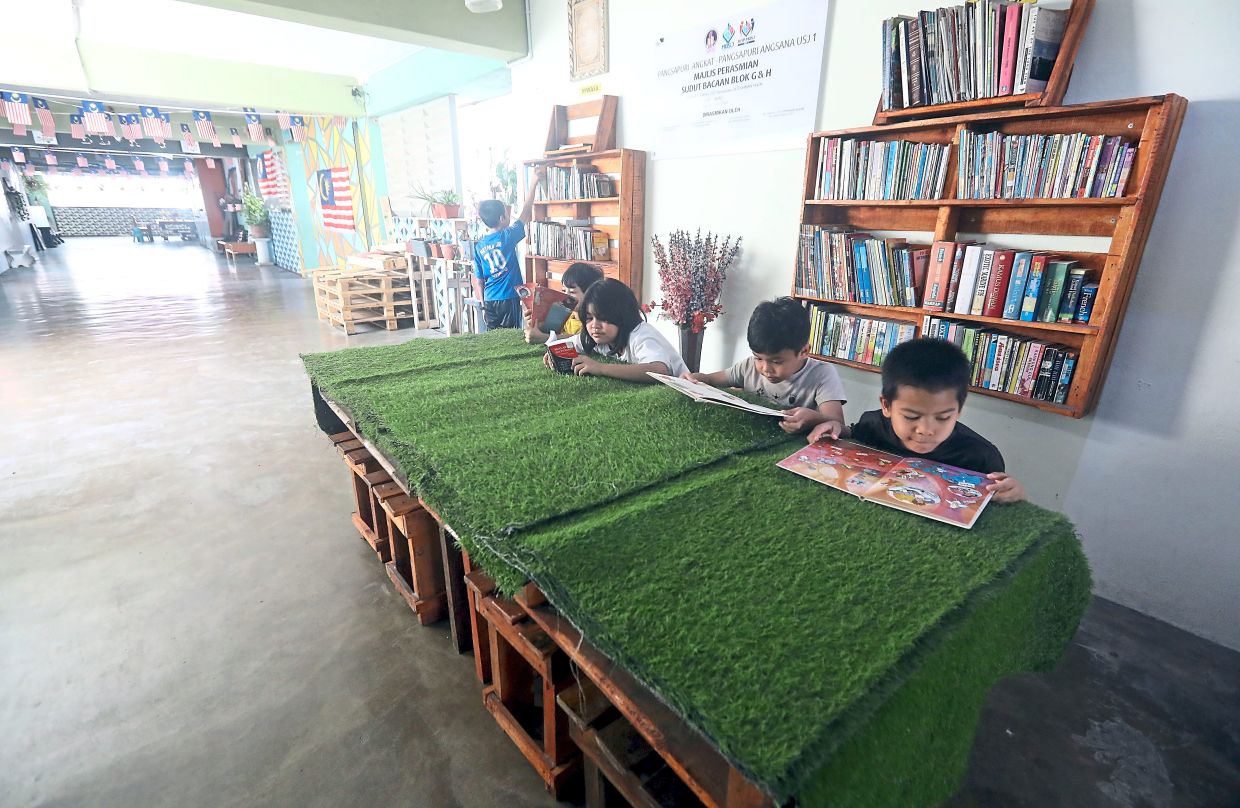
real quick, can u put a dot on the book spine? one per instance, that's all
(1071, 296)
(1007, 67)
(1002, 345)
(1085, 309)
(1053, 285)
(953, 280)
(1016, 287)
(997, 284)
(941, 255)
(1048, 392)
(983, 282)
(1047, 39)
(1033, 290)
(916, 83)
(1130, 154)
(1030, 31)
(1065, 379)
(1029, 370)
(1045, 368)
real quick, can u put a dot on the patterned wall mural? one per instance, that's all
(333, 143)
(284, 246)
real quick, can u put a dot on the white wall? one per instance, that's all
(1147, 478)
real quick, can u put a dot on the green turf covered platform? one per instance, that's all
(833, 649)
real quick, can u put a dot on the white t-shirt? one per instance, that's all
(646, 344)
(812, 385)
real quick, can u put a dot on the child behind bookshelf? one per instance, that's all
(579, 277)
(924, 386)
(781, 370)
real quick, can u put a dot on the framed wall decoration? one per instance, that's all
(587, 35)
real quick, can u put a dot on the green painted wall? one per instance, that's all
(444, 24)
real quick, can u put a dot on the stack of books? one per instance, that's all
(984, 49)
(576, 182)
(575, 240)
(1029, 368)
(974, 279)
(997, 166)
(858, 339)
(880, 169)
(849, 267)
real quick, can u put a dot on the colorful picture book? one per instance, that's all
(936, 491)
(546, 308)
(706, 394)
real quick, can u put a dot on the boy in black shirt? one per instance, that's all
(924, 386)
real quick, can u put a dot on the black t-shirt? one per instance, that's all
(965, 448)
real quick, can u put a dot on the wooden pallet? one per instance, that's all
(351, 297)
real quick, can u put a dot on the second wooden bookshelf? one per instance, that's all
(1153, 123)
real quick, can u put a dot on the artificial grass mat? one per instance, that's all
(831, 648)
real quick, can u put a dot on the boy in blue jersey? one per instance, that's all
(497, 274)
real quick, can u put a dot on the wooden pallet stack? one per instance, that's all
(347, 298)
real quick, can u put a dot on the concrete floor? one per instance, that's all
(187, 617)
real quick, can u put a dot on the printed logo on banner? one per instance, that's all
(746, 27)
(728, 34)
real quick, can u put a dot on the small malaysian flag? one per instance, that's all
(51, 159)
(335, 198)
(187, 138)
(47, 123)
(210, 163)
(163, 166)
(284, 119)
(150, 121)
(15, 108)
(133, 123)
(76, 128)
(189, 168)
(19, 156)
(253, 124)
(109, 125)
(298, 127)
(19, 130)
(271, 140)
(138, 164)
(206, 127)
(236, 137)
(268, 175)
(93, 116)
(165, 124)
(82, 161)
(109, 163)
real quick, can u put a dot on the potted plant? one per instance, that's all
(436, 249)
(449, 250)
(258, 220)
(692, 269)
(446, 205)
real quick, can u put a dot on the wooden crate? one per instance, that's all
(422, 284)
(416, 566)
(376, 261)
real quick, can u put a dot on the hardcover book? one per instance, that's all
(936, 491)
(706, 394)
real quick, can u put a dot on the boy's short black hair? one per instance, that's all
(777, 325)
(490, 212)
(933, 365)
(581, 275)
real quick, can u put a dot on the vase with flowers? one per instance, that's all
(692, 269)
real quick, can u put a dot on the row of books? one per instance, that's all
(576, 182)
(983, 49)
(574, 241)
(880, 169)
(857, 339)
(975, 279)
(997, 166)
(834, 263)
(1029, 368)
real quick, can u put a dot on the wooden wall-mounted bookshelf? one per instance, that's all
(1152, 122)
(622, 217)
(1056, 86)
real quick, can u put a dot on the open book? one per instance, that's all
(914, 484)
(546, 308)
(703, 392)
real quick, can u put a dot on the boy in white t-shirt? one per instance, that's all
(614, 326)
(782, 372)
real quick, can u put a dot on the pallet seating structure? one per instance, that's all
(416, 567)
(347, 298)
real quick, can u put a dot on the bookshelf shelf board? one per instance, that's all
(576, 201)
(550, 260)
(1052, 95)
(585, 157)
(1039, 202)
(915, 315)
(1048, 406)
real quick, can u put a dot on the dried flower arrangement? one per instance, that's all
(692, 270)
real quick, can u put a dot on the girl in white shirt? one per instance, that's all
(614, 326)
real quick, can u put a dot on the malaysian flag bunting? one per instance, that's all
(19, 156)
(269, 184)
(51, 159)
(206, 127)
(138, 164)
(82, 161)
(335, 198)
(187, 138)
(109, 126)
(133, 126)
(210, 163)
(19, 130)
(236, 137)
(253, 124)
(93, 116)
(298, 127)
(109, 163)
(150, 121)
(165, 124)
(163, 166)
(271, 140)
(47, 124)
(15, 108)
(76, 129)
(284, 119)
